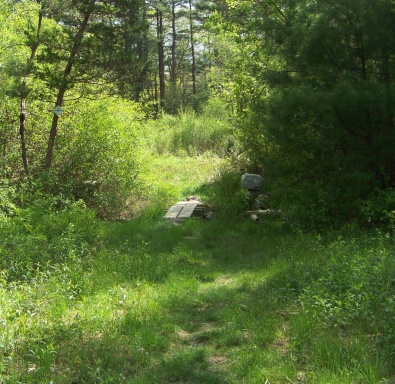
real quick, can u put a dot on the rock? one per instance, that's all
(252, 182)
(265, 212)
(262, 201)
(254, 217)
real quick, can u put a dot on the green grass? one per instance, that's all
(205, 302)
(228, 300)
(191, 134)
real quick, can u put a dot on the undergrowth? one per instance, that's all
(191, 134)
(220, 301)
(226, 300)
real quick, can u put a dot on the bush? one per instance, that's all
(98, 156)
(379, 209)
(7, 200)
(357, 286)
(50, 231)
(310, 141)
(226, 195)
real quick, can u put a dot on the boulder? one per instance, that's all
(252, 182)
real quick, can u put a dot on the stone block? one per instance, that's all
(252, 182)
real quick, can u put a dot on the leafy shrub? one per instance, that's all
(7, 200)
(98, 157)
(379, 209)
(226, 195)
(10, 163)
(312, 205)
(50, 231)
(37, 124)
(357, 286)
(307, 138)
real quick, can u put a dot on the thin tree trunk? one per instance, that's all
(161, 58)
(155, 94)
(173, 56)
(22, 128)
(63, 87)
(142, 50)
(192, 52)
(24, 91)
(4, 156)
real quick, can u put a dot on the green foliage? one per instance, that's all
(101, 301)
(37, 124)
(171, 179)
(7, 201)
(225, 195)
(101, 42)
(10, 164)
(98, 158)
(357, 286)
(50, 231)
(193, 134)
(313, 91)
(378, 210)
(226, 300)
(137, 301)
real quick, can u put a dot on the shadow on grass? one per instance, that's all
(178, 304)
(201, 302)
(205, 302)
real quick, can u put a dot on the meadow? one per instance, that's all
(228, 300)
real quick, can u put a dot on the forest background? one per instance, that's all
(112, 110)
(308, 87)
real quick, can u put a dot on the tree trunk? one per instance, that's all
(142, 51)
(63, 87)
(161, 58)
(173, 57)
(22, 128)
(4, 156)
(155, 95)
(193, 55)
(24, 92)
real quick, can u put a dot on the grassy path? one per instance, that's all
(149, 302)
(198, 305)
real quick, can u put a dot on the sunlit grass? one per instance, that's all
(225, 300)
(171, 178)
(205, 302)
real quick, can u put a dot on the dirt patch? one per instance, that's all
(184, 335)
(217, 360)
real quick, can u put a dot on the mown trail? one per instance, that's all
(146, 301)
(201, 303)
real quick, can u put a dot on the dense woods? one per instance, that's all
(315, 98)
(57, 56)
(309, 86)
(111, 111)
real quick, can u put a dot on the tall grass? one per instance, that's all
(191, 134)
(221, 301)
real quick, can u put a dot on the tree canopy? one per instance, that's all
(310, 84)
(313, 85)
